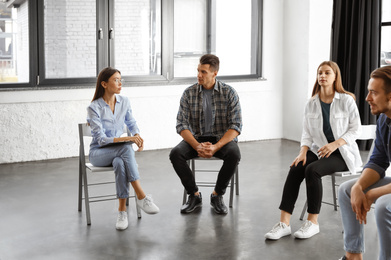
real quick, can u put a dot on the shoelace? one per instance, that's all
(147, 200)
(276, 228)
(220, 201)
(121, 216)
(306, 226)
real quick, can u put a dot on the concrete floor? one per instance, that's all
(39, 217)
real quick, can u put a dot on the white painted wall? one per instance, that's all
(307, 31)
(42, 124)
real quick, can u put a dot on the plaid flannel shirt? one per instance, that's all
(226, 111)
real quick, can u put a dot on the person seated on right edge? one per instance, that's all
(209, 120)
(356, 196)
(328, 144)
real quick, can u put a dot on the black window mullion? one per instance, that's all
(257, 39)
(102, 34)
(211, 26)
(33, 39)
(111, 34)
(168, 39)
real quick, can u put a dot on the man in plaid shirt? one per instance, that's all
(209, 120)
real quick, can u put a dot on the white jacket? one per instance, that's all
(345, 123)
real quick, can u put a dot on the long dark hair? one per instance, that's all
(104, 75)
(337, 83)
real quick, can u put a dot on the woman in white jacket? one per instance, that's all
(330, 128)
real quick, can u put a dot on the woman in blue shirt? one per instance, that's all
(107, 115)
(330, 128)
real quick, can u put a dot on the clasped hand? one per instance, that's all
(361, 204)
(206, 150)
(138, 141)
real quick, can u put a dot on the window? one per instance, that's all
(137, 27)
(68, 42)
(69, 39)
(385, 47)
(213, 26)
(14, 43)
(190, 36)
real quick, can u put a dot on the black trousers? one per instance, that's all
(229, 153)
(312, 172)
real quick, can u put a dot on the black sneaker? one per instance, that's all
(217, 202)
(192, 203)
(343, 258)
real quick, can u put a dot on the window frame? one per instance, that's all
(382, 24)
(105, 54)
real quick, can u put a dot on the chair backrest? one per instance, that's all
(368, 133)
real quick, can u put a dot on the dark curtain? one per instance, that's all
(355, 47)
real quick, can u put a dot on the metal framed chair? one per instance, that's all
(368, 133)
(234, 183)
(84, 184)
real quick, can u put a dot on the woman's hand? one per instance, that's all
(327, 150)
(138, 141)
(302, 157)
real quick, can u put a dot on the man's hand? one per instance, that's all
(359, 203)
(370, 199)
(210, 149)
(206, 150)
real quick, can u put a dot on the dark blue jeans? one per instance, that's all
(229, 153)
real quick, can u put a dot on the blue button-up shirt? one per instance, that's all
(380, 158)
(105, 125)
(226, 111)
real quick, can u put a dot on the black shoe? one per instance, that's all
(192, 203)
(218, 205)
(343, 258)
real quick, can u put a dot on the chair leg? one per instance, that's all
(334, 191)
(137, 207)
(234, 183)
(231, 193)
(237, 180)
(193, 166)
(184, 196)
(86, 197)
(80, 187)
(303, 211)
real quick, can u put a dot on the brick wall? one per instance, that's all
(132, 36)
(70, 38)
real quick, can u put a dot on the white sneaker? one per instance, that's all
(279, 230)
(307, 230)
(147, 205)
(122, 220)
